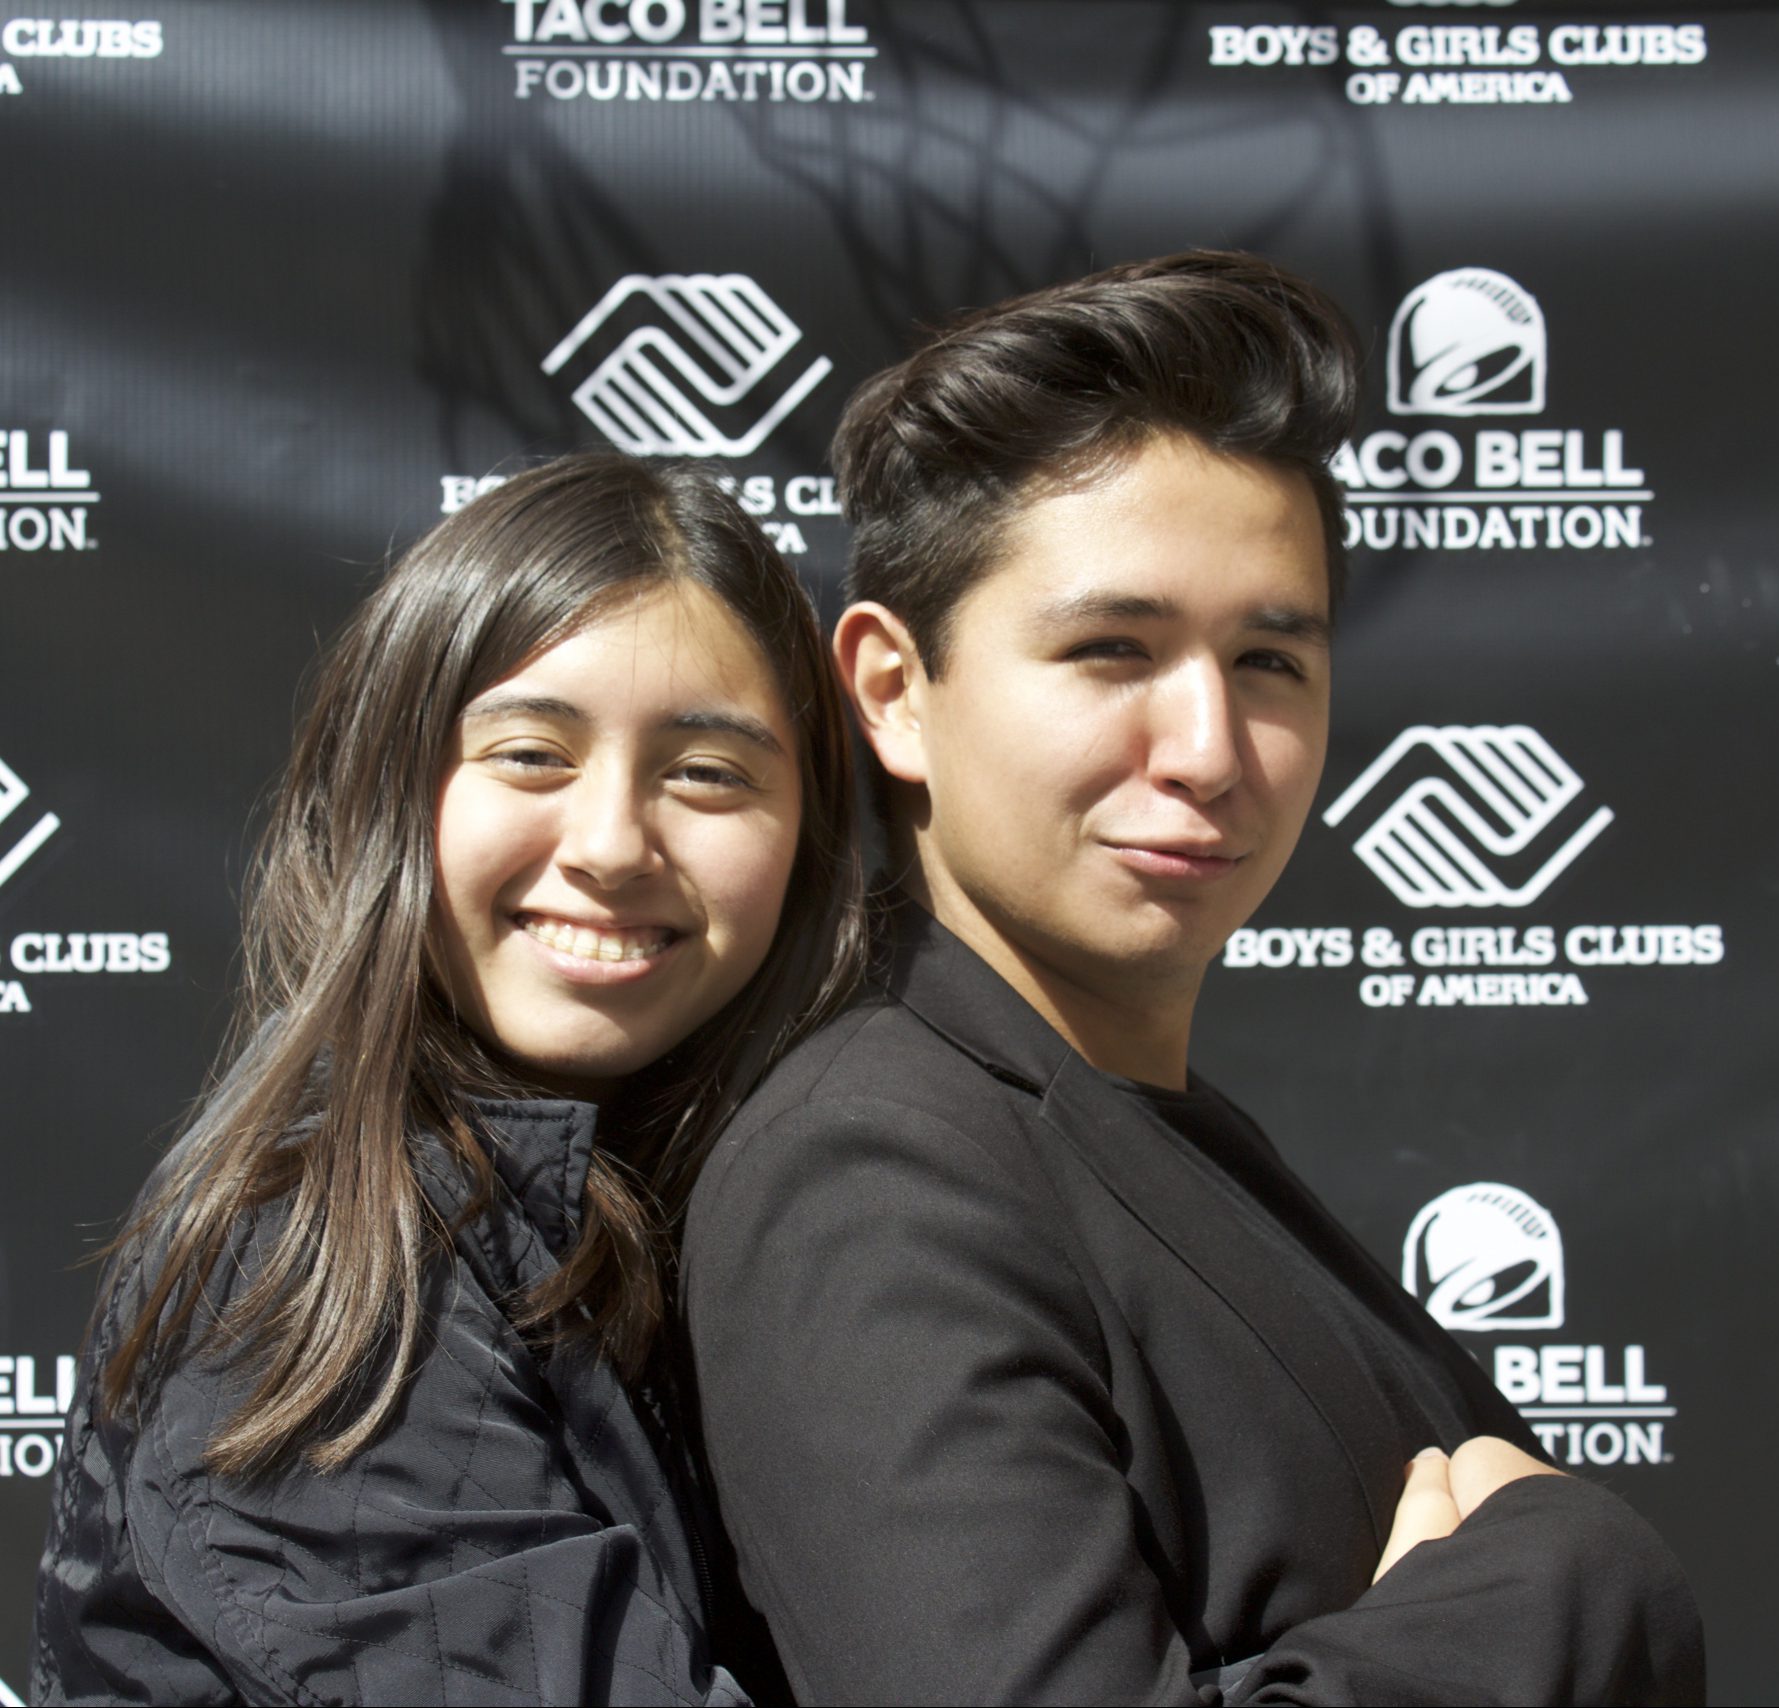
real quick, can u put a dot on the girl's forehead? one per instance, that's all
(665, 639)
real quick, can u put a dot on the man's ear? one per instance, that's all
(881, 671)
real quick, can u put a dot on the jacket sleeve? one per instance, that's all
(909, 1425)
(456, 1560)
(1553, 1590)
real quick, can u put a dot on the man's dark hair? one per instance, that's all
(936, 454)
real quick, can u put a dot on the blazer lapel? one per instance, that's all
(1185, 1201)
(1213, 1228)
(957, 993)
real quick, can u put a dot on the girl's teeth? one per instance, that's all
(588, 945)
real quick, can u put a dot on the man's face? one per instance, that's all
(1131, 722)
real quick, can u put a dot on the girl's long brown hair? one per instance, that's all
(344, 1046)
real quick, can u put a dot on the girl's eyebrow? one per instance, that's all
(495, 704)
(728, 723)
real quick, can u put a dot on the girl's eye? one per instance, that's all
(711, 774)
(532, 759)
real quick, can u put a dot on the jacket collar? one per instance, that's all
(1201, 1219)
(957, 993)
(541, 1149)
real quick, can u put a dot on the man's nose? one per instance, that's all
(608, 835)
(1195, 745)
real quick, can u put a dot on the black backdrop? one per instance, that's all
(282, 280)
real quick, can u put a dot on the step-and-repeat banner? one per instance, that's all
(286, 280)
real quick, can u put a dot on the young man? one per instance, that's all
(1028, 1371)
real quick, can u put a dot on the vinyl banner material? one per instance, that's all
(285, 281)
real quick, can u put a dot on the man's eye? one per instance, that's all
(1280, 662)
(1113, 649)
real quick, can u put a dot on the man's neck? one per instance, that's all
(1144, 1039)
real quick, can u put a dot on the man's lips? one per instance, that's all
(1189, 860)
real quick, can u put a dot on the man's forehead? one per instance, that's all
(1170, 482)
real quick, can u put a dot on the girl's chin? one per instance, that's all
(576, 1070)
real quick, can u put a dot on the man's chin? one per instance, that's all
(1160, 954)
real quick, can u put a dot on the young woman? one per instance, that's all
(370, 1410)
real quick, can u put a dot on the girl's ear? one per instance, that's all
(881, 671)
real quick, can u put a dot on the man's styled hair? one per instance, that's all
(937, 454)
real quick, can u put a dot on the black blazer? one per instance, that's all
(1012, 1394)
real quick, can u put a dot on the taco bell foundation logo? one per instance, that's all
(45, 501)
(1488, 1259)
(688, 50)
(35, 1395)
(1472, 346)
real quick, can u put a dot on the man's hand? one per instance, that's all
(1441, 1493)
(1486, 1463)
(1427, 1509)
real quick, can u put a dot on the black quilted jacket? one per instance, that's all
(510, 1538)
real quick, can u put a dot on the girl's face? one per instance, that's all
(616, 827)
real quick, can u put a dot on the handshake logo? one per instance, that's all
(1473, 827)
(13, 795)
(692, 351)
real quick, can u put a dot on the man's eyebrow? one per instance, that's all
(1104, 607)
(498, 705)
(729, 723)
(1310, 626)
(1114, 607)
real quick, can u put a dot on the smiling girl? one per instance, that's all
(374, 1406)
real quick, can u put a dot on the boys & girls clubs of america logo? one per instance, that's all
(1469, 819)
(32, 952)
(693, 365)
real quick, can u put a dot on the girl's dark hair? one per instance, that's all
(936, 454)
(345, 1046)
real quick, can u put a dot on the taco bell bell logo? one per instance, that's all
(1467, 342)
(1486, 1257)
